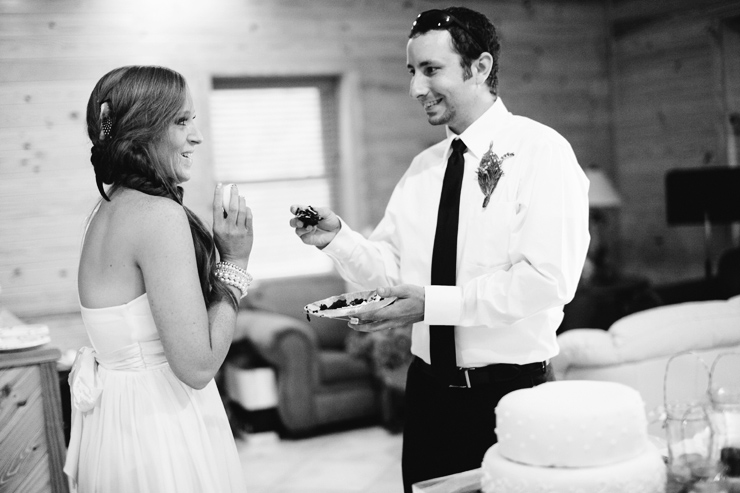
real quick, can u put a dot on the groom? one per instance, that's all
(483, 241)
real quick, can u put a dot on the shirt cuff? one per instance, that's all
(442, 305)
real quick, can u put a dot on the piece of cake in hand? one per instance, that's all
(308, 216)
(573, 436)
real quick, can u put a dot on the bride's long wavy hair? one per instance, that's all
(142, 101)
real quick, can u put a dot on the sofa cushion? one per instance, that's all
(670, 329)
(340, 366)
(653, 333)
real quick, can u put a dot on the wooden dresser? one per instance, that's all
(32, 449)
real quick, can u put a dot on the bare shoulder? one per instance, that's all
(132, 230)
(156, 220)
(160, 213)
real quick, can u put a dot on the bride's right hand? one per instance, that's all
(232, 234)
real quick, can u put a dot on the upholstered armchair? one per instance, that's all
(319, 382)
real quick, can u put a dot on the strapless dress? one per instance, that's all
(135, 425)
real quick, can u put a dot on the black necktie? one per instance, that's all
(444, 256)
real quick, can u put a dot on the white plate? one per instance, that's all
(23, 337)
(357, 303)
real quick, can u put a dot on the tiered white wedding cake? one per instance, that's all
(573, 437)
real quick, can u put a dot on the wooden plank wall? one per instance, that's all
(673, 80)
(553, 69)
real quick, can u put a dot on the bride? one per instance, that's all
(158, 308)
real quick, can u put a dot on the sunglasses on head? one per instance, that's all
(439, 19)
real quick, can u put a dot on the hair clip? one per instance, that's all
(106, 122)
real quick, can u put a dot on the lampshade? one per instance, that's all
(601, 193)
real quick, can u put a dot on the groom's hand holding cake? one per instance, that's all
(311, 231)
(406, 310)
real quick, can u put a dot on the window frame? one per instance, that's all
(343, 158)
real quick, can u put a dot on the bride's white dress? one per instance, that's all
(135, 425)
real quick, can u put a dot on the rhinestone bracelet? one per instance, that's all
(233, 275)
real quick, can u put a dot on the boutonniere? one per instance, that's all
(489, 171)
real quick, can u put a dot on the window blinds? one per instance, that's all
(277, 140)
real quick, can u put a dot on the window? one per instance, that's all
(277, 140)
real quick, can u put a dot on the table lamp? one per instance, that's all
(601, 197)
(601, 193)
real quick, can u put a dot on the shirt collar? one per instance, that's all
(478, 136)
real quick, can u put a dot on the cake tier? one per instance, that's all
(645, 473)
(571, 423)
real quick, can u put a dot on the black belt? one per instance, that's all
(485, 375)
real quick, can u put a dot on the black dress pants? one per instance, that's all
(448, 430)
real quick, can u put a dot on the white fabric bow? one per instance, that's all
(85, 392)
(84, 380)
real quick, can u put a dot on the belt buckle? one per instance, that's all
(467, 385)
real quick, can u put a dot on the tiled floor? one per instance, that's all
(365, 460)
